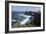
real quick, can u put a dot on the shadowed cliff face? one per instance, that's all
(37, 17)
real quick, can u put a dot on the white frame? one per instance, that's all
(24, 28)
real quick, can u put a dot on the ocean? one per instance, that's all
(17, 16)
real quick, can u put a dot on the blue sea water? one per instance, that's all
(16, 16)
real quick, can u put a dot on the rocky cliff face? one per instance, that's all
(37, 17)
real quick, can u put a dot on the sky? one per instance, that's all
(24, 8)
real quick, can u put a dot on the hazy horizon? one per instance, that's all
(24, 8)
